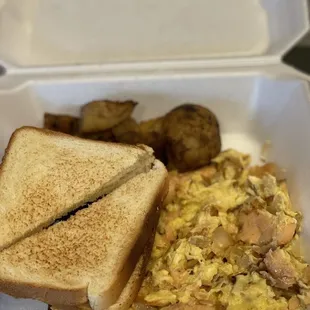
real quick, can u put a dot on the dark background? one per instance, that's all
(299, 57)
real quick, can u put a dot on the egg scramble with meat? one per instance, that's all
(228, 238)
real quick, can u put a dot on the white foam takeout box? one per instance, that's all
(225, 54)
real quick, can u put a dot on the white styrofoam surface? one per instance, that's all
(10, 303)
(251, 108)
(56, 32)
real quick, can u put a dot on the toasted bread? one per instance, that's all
(127, 296)
(45, 175)
(131, 289)
(91, 256)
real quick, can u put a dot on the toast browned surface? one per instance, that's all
(45, 175)
(128, 294)
(91, 256)
(131, 289)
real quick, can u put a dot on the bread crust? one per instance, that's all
(10, 237)
(51, 295)
(150, 225)
(49, 132)
(61, 134)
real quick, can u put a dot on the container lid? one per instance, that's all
(68, 33)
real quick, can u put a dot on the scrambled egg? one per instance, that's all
(227, 239)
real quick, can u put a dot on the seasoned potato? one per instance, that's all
(152, 134)
(63, 123)
(192, 137)
(102, 115)
(106, 135)
(127, 132)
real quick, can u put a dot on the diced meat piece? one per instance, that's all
(257, 227)
(280, 267)
(272, 281)
(260, 227)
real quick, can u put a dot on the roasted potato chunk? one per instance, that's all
(62, 123)
(192, 136)
(106, 135)
(99, 116)
(127, 132)
(152, 134)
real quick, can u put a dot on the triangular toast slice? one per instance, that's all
(90, 257)
(45, 175)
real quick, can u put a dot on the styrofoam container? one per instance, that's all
(252, 107)
(223, 54)
(57, 33)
